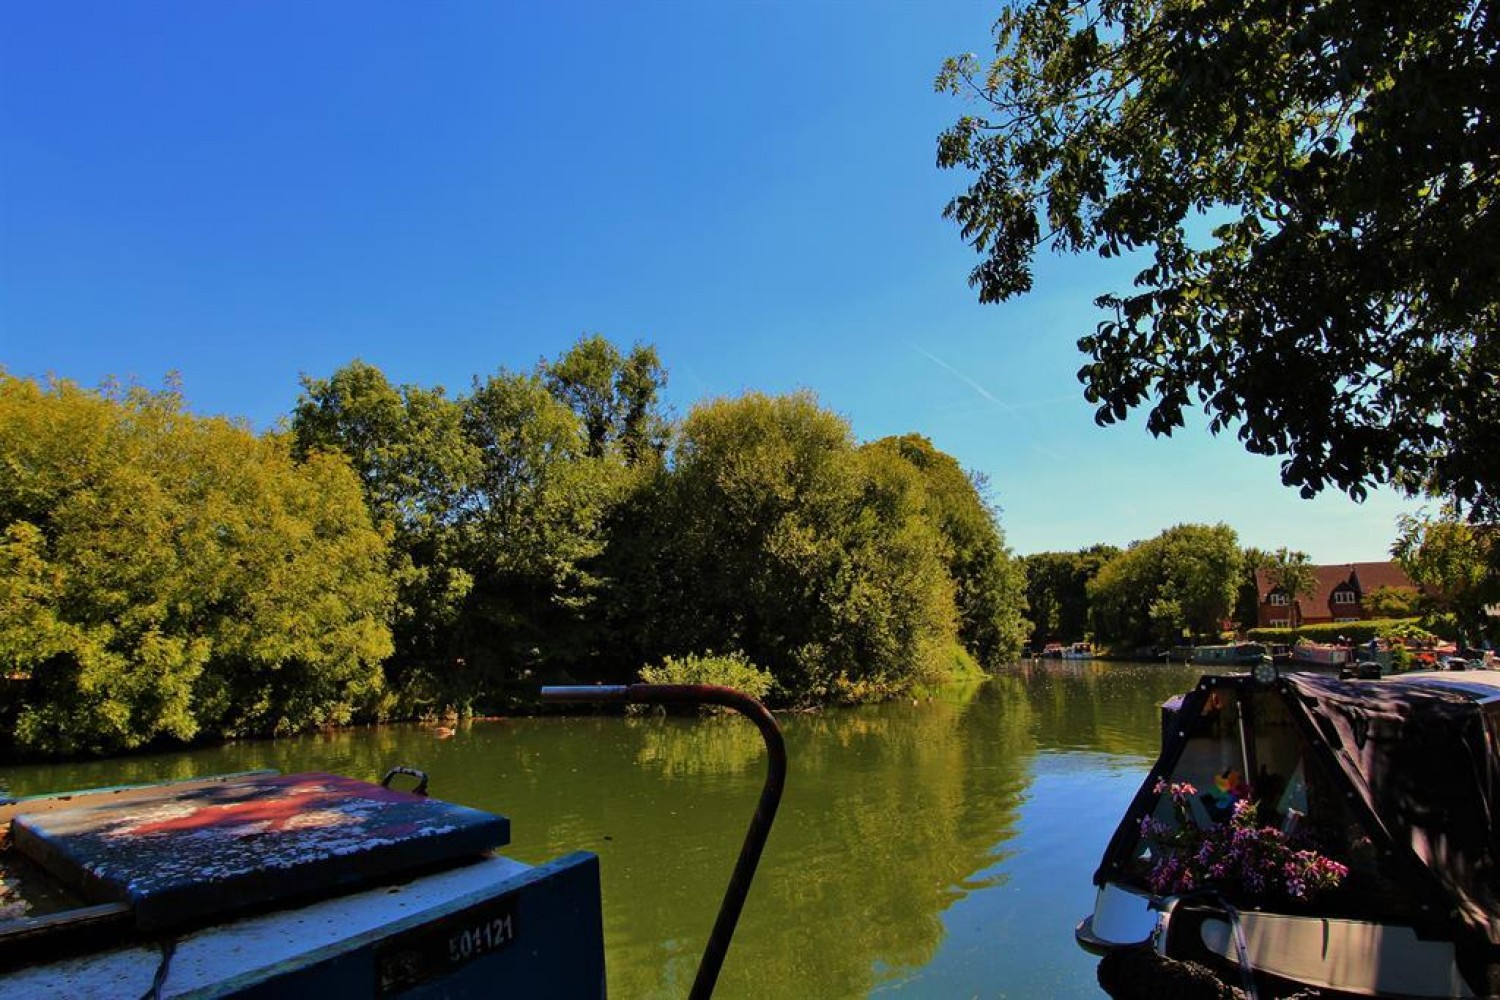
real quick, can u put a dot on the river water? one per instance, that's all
(941, 847)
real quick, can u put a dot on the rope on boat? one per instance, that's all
(159, 981)
(1241, 947)
(1242, 950)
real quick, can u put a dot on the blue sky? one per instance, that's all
(243, 192)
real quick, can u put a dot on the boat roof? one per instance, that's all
(1482, 685)
(190, 853)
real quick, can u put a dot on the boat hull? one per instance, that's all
(1240, 655)
(495, 927)
(1315, 655)
(1343, 957)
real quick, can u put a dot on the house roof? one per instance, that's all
(1364, 576)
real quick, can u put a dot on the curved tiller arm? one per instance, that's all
(765, 809)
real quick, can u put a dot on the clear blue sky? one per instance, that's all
(243, 192)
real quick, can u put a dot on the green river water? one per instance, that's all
(936, 848)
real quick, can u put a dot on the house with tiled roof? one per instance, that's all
(1339, 593)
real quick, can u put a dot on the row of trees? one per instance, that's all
(1193, 579)
(395, 551)
(1187, 578)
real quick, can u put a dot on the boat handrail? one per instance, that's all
(765, 809)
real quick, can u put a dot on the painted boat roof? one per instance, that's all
(193, 853)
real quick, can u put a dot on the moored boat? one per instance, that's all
(1078, 651)
(1304, 831)
(1241, 654)
(1320, 654)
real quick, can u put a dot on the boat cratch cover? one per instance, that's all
(1400, 776)
(1421, 755)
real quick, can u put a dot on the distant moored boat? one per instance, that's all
(1320, 654)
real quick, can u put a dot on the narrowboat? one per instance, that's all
(1243, 654)
(1303, 831)
(1320, 654)
(262, 885)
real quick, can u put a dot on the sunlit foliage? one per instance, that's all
(166, 575)
(1184, 578)
(397, 552)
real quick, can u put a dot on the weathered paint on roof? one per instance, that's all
(191, 855)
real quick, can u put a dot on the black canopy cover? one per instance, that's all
(1420, 753)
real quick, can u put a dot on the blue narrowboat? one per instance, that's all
(261, 885)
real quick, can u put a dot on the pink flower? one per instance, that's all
(1236, 856)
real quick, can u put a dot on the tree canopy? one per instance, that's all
(1057, 592)
(1186, 577)
(1292, 573)
(848, 572)
(1454, 562)
(165, 575)
(495, 503)
(988, 580)
(1313, 186)
(400, 552)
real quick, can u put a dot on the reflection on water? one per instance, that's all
(935, 848)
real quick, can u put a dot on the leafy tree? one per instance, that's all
(417, 467)
(989, 581)
(534, 528)
(1292, 573)
(1185, 577)
(405, 442)
(300, 619)
(1315, 183)
(496, 504)
(1123, 594)
(614, 395)
(165, 576)
(1392, 602)
(1454, 563)
(772, 534)
(1057, 591)
(1165, 615)
(1247, 603)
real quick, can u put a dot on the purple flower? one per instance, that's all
(1236, 856)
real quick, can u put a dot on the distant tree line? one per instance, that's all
(1153, 593)
(396, 551)
(1193, 582)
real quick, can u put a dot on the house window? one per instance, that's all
(1346, 619)
(1344, 597)
(1279, 598)
(1281, 623)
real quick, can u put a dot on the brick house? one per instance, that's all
(1338, 594)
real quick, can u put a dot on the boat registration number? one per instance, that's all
(434, 949)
